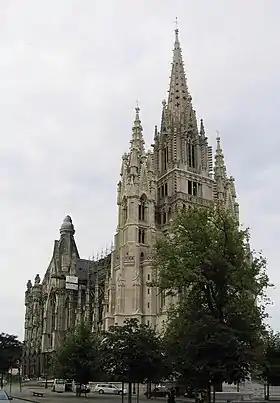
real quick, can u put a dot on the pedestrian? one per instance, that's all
(171, 396)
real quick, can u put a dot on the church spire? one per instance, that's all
(137, 149)
(220, 174)
(137, 141)
(219, 168)
(178, 97)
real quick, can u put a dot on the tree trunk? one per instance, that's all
(2, 380)
(137, 398)
(129, 392)
(149, 390)
(218, 386)
(267, 391)
(122, 391)
(209, 392)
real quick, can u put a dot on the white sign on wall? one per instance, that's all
(72, 283)
(70, 286)
(72, 279)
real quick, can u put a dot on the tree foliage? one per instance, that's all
(271, 359)
(134, 353)
(79, 357)
(10, 353)
(221, 285)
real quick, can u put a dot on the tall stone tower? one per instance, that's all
(128, 294)
(59, 306)
(154, 186)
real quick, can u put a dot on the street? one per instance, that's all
(52, 397)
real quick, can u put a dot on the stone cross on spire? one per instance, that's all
(176, 26)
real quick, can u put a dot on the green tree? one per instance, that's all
(134, 353)
(10, 353)
(79, 357)
(270, 365)
(215, 331)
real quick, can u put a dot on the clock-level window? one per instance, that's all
(163, 190)
(194, 188)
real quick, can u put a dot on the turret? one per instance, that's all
(134, 172)
(67, 226)
(220, 174)
(137, 151)
(225, 194)
(28, 293)
(28, 314)
(67, 246)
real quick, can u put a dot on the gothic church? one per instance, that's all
(153, 186)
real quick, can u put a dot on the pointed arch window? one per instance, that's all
(124, 209)
(141, 235)
(165, 158)
(53, 313)
(142, 208)
(191, 154)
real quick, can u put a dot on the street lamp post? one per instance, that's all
(19, 374)
(46, 360)
(46, 368)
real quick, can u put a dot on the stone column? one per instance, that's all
(79, 307)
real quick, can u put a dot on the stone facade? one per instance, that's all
(52, 309)
(154, 185)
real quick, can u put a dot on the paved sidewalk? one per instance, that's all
(26, 394)
(52, 397)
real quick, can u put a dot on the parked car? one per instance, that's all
(159, 391)
(109, 388)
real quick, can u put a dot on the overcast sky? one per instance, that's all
(70, 75)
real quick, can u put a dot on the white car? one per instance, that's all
(108, 388)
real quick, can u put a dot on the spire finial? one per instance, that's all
(137, 109)
(176, 26)
(218, 138)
